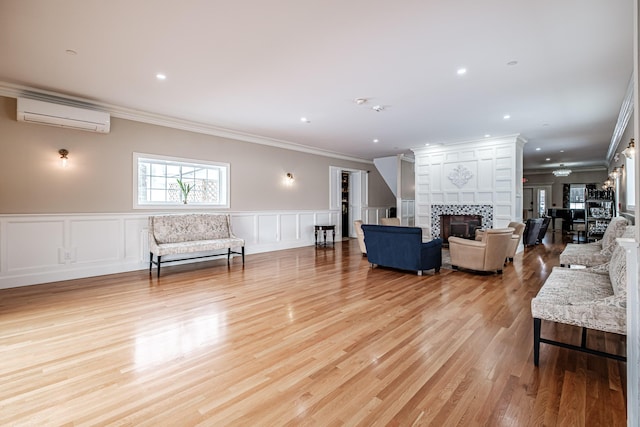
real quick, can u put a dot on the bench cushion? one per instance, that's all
(581, 298)
(197, 246)
(583, 254)
(189, 227)
(597, 252)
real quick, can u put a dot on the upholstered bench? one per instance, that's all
(191, 234)
(594, 253)
(591, 298)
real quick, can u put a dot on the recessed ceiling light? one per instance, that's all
(360, 101)
(461, 71)
(375, 141)
(562, 151)
(427, 144)
(161, 76)
(304, 120)
(511, 63)
(506, 117)
(377, 108)
(548, 159)
(486, 135)
(538, 148)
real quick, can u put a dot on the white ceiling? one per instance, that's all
(257, 67)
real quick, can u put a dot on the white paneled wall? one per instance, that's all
(46, 248)
(482, 172)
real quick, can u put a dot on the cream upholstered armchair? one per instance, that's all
(518, 228)
(389, 221)
(360, 235)
(487, 254)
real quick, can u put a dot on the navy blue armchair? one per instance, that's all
(401, 248)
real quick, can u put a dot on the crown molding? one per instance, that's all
(11, 90)
(626, 110)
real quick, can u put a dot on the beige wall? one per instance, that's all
(556, 183)
(597, 177)
(99, 176)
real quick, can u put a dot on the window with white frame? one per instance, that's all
(162, 181)
(630, 171)
(576, 196)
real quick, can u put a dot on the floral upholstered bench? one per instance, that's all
(594, 253)
(591, 298)
(197, 234)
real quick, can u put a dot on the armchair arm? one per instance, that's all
(466, 242)
(467, 253)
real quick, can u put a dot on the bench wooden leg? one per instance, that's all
(536, 341)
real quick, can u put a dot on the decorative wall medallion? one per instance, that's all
(460, 176)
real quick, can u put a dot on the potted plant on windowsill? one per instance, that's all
(185, 188)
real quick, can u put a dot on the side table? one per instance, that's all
(324, 229)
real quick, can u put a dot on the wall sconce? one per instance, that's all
(64, 160)
(630, 151)
(615, 173)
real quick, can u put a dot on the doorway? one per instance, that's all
(536, 201)
(527, 203)
(345, 203)
(348, 190)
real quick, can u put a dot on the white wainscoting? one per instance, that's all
(47, 248)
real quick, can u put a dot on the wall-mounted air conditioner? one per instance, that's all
(48, 113)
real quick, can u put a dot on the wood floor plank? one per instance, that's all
(308, 336)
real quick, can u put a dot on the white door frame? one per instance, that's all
(358, 194)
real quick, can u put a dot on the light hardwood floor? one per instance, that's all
(299, 337)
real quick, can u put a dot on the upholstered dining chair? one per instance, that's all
(488, 254)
